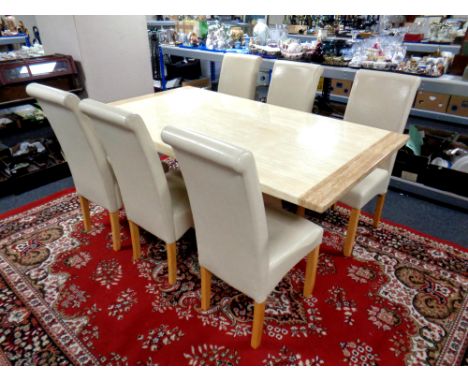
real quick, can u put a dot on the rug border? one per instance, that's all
(51, 321)
(4, 361)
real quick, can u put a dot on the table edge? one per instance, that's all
(385, 147)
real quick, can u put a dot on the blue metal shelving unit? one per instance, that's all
(17, 39)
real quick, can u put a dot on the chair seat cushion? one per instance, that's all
(180, 203)
(374, 184)
(290, 238)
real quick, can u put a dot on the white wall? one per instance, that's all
(113, 52)
(59, 35)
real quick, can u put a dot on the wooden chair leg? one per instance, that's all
(171, 250)
(351, 233)
(205, 288)
(84, 203)
(135, 235)
(115, 226)
(311, 271)
(257, 326)
(378, 209)
(300, 211)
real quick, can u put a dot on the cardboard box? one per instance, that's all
(320, 84)
(458, 105)
(297, 29)
(431, 101)
(186, 26)
(341, 87)
(200, 83)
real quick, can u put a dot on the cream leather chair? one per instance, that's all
(238, 75)
(248, 246)
(382, 100)
(294, 84)
(153, 200)
(93, 177)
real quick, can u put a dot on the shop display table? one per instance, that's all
(303, 158)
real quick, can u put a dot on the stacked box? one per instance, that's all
(458, 105)
(341, 87)
(431, 101)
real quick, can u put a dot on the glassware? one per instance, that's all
(260, 32)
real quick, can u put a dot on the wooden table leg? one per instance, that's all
(300, 211)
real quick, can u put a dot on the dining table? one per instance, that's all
(303, 158)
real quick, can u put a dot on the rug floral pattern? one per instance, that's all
(67, 298)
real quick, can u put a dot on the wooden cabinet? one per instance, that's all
(30, 154)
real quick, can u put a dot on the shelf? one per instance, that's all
(447, 84)
(29, 181)
(7, 40)
(418, 47)
(446, 117)
(160, 23)
(192, 53)
(449, 198)
(29, 99)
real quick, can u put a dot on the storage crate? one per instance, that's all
(458, 105)
(297, 29)
(341, 87)
(431, 101)
(199, 83)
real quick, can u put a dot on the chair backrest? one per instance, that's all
(136, 165)
(92, 174)
(294, 84)
(227, 207)
(382, 100)
(238, 75)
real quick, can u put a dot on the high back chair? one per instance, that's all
(238, 75)
(93, 177)
(381, 100)
(294, 84)
(249, 247)
(153, 200)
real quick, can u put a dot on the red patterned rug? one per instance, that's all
(66, 298)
